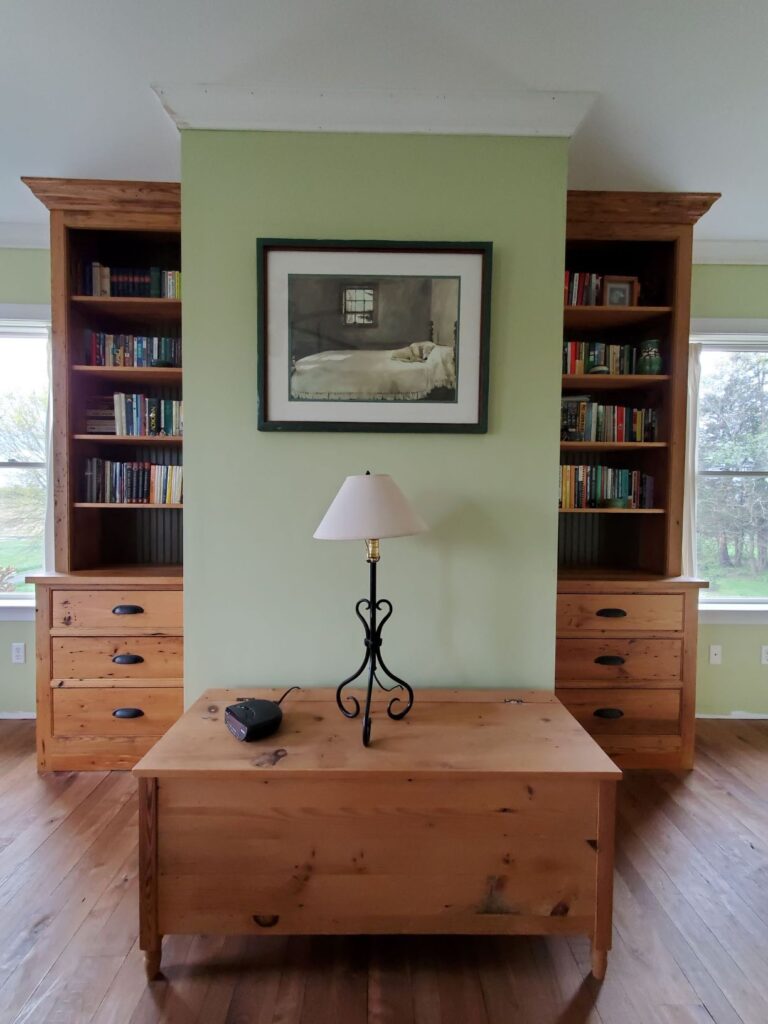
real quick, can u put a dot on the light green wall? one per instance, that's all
(474, 598)
(741, 682)
(720, 290)
(17, 682)
(25, 276)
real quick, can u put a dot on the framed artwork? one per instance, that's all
(373, 336)
(620, 291)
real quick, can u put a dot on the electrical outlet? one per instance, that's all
(715, 654)
(18, 654)
(764, 654)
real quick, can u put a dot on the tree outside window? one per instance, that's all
(23, 457)
(732, 473)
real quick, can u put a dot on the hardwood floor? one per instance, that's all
(690, 935)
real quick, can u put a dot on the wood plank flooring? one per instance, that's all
(690, 925)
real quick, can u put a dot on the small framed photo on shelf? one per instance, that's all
(373, 336)
(620, 291)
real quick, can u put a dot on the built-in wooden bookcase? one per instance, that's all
(646, 236)
(626, 620)
(120, 225)
(109, 634)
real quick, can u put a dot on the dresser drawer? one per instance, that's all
(624, 712)
(138, 657)
(619, 613)
(614, 660)
(121, 611)
(90, 711)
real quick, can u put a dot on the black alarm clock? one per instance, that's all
(255, 719)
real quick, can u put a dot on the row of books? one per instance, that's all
(582, 419)
(140, 483)
(131, 282)
(132, 350)
(134, 416)
(595, 486)
(582, 289)
(584, 356)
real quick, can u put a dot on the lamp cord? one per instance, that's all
(290, 688)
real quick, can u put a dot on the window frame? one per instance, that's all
(18, 320)
(724, 336)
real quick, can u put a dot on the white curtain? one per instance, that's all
(689, 503)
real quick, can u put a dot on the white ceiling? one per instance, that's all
(682, 85)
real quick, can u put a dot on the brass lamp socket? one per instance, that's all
(372, 553)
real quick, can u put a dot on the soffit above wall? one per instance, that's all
(260, 108)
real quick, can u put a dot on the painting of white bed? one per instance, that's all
(365, 339)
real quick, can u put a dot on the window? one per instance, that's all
(24, 390)
(358, 305)
(731, 513)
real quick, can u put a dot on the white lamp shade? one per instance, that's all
(369, 507)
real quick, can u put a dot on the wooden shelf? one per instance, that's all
(143, 308)
(615, 511)
(612, 381)
(129, 374)
(119, 504)
(610, 446)
(122, 439)
(586, 317)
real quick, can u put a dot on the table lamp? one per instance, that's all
(369, 508)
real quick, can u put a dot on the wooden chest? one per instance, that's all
(483, 812)
(109, 667)
(626, 665)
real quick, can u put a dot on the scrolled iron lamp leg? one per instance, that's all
(373, 660)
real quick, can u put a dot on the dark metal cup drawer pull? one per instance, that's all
(127, 713)
(611, 613)
(608, 713)
(610, 659)
(127, 609)
(127, 659)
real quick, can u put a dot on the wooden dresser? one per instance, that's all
(109, 666)
(626, 665)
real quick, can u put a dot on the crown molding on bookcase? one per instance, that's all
(731, 252)
(106, 195)
(23, 236)
(273, 108)
(638, 207)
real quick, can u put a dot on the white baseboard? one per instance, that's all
(739, 715)
(17, 714)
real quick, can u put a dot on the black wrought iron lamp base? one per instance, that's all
(373, 661)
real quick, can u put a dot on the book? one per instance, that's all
(103, 349)
(136, 482)
(130, 282)
(592, 486)
(583, 419)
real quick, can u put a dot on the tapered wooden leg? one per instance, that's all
(150, 939)
(152, 961)
(599, 963)
(606, 829)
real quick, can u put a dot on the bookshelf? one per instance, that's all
(619, 585)
(646, 236)
(109, 622)
(128, 227)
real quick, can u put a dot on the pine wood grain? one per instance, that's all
(690, 920)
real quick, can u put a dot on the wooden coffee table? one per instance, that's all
(483, 812)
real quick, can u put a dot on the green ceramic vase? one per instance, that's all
(649, 360)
